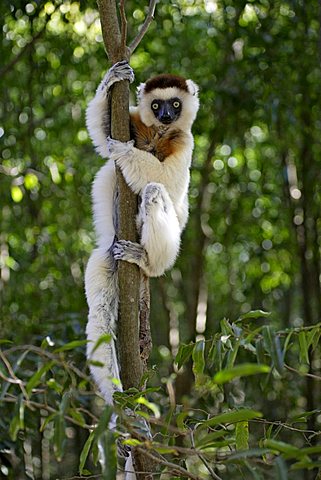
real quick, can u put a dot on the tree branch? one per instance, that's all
(173, 467)
(148, 20)
(123, 19)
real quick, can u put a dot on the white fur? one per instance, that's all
(101, 289)
(94, 114)
(103, 197)
(160, 230)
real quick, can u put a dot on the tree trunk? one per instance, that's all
(129, 278)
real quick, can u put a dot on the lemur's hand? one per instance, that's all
(120, 71)
(117, 149)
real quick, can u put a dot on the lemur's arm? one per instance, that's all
(98, 111)
(140, 167)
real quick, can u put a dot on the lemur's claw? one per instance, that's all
(123, 71)
(117, 251)
(118, 72)
(118, 149)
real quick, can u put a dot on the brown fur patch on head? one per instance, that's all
(165, 81)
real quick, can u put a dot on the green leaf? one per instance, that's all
(183, 354)
(17, 423)
(272, 346)
(14, 428)
(242, 435)
(310, 450)
(282, 447)
(85, 452)
(64, 403)
(253, 314)
(305, 464)
(71, 345)
(77, 416)
(260, 353)
(54, 385)
(242, 370)
(103, 421)
(232, 416)
(106, 338)
(232, 355)
(59, 437)
(286, 343)
(180, 420)
(215, 353)
(132, 442)
(302, 416)
(209, 438)
(152, 406)
(47, 420)
(226, 327)
(198, 361)
(253, 452)
(304, 353)
(315, 340)
(36, 378)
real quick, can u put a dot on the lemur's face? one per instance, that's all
(168, 100)
(166, 111)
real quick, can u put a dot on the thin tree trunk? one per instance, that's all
(128, 274)
(129, 278)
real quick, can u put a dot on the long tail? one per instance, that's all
(101, 285)
(102, 296)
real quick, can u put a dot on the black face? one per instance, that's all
(167, 111)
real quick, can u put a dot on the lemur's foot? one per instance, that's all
(122, 450)
(119, 71)
(129, 251)
(153, 195)
(117, 149)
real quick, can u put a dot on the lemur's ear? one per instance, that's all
(140, 91)
(192, 87)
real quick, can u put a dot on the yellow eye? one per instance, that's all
(176, 104)
(155, 106)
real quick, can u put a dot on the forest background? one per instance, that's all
(252, 243)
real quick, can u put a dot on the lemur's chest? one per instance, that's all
(159, 141)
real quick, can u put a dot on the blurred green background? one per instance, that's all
(254, 234)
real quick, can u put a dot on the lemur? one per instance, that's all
(155, 164)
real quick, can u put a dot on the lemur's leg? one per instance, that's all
(97, 114)
(159, 232)
(102, 297)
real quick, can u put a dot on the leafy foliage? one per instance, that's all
(226, 428)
